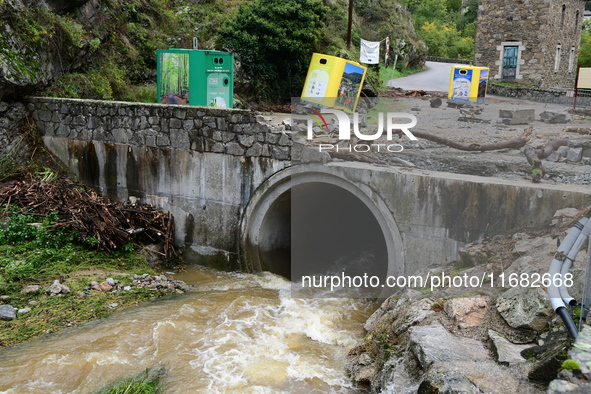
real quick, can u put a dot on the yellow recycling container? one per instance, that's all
(333, 82)
(468, 83)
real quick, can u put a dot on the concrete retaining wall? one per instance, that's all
(425, 216)
(199, 163)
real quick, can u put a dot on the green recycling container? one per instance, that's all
(195, 77)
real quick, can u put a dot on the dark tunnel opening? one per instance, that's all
(321, 228)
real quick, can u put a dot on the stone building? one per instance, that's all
(535, 43)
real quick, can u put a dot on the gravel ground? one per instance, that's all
(509, 163)
(484, 126)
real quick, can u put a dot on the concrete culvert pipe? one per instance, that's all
(318, 224)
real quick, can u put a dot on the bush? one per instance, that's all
(275, 41)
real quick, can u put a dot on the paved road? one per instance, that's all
(435, 77)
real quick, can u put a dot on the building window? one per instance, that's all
(557, 58)
(576, 21)
(571, 59)
(562, 16)
(510, 53)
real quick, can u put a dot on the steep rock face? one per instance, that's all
(114, 41)
(37, 45)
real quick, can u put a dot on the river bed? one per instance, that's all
(237, 333)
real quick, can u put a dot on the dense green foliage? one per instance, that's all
(275, 40)
(39, 254)
(585, 51)
(448, 27)
(43, 251)
(106, 50)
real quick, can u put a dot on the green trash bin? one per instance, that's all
(195, 77)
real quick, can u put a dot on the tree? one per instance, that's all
(585, 51)
(275, 41)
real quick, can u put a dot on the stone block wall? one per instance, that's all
(553, 96)
(537, 27)
(448, 60)
(201, 164)
(202, 129)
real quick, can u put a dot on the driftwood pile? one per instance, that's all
(111, 223)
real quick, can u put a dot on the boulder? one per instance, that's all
(435, 102)
(467, 312)
(31, 289)
(528, 246)
(434, 344)
(57, 288)
(7, 312)
(448, 383)
(564, 215)
(523, 307)
(574, 155)
(472, 255)
(507, 353)
(517, 116)
(554, 117)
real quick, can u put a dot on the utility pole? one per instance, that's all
(350, 24)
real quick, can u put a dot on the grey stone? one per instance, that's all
(435, 102)
(280, 152)
(525, 307)
(467, 312)
(561, 386)
(273, 138)
(472, 255)
(434, 344)
(175, 124)
(24, 310)
(554, 156)
(218, 147)
(255, 150)
(163, 140)
(517, 116)
(285, 140)
(31, 289)
(227, 136)
(585, 144)
(246, 140)
(574, 155)
(287, 123)
(554, 117)
(234, 148)
(111, 281)
(7, 312)
(311, 155)
(448, 383)
(564, 216)
(222, 124)
(529, 245)
(57, 288)
(179, 139)
(507, 352)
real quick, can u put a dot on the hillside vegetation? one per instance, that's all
(105, 49)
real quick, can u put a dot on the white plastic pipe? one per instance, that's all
(571, 256)
(556, 264)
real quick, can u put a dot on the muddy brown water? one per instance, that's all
(238, 333)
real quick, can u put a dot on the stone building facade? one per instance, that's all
(531, 42)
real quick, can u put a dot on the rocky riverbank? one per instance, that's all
(487, 338)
